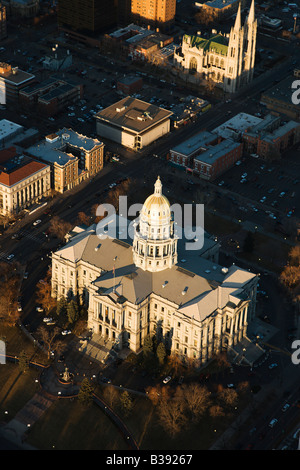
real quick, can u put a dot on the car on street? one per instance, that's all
(263, 199)
(167, 379)
(66, 332)
(273, 422)
(47, 319)
(11, 256)
(38, 221)
(285, 407)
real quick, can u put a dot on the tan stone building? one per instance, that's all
(73, 157)
(154, 286)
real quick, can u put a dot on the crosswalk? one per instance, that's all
(39, 238)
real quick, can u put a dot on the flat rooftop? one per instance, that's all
(55, 148)
(220, 4)
(195, 143)
(237, 124)
(134, 115)
(14, 75)
(282, 91)
(8, 128)
(213, 153)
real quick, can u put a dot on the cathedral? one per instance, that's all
(227, 60)
(145, 283)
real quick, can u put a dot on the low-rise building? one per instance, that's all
(73, 157)
(57, 59)
(133, 123)
(12, 80)
(219, 10)
(206, 154)
(270, 138)
(23, 181)
(279, 98)
(130, 84)
(51, 96)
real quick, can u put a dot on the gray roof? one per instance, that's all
(133, 114)
(189, 284)
(52, 148)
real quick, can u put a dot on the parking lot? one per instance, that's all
(270, 188)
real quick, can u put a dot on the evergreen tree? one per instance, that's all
(72, 311)
(161, 353)
(61, 308)
(85, 394)
(126, 403)
(23, 362)
(148, 346)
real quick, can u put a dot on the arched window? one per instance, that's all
(193, 64)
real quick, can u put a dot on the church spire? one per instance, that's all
(251, 15)
(238, 19)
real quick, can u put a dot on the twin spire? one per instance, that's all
(238, 19)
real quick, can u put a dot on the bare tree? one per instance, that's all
(9, 289)
(228, 396)
(197, 399)
(290, 276)
(43, 293)
(59, 227)
(82, 218)
(50, 340)
(172, 416)
(216, 410)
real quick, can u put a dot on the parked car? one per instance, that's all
(167, 379)
(39, 309)
(66, 332)
(38, 221)
(273, 422)
(47, 319)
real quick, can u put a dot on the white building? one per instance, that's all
(133, 123)
(153, 285)
(227, 60)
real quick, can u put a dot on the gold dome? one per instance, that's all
(156, 207)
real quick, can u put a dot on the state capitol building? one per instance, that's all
(149, 284)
